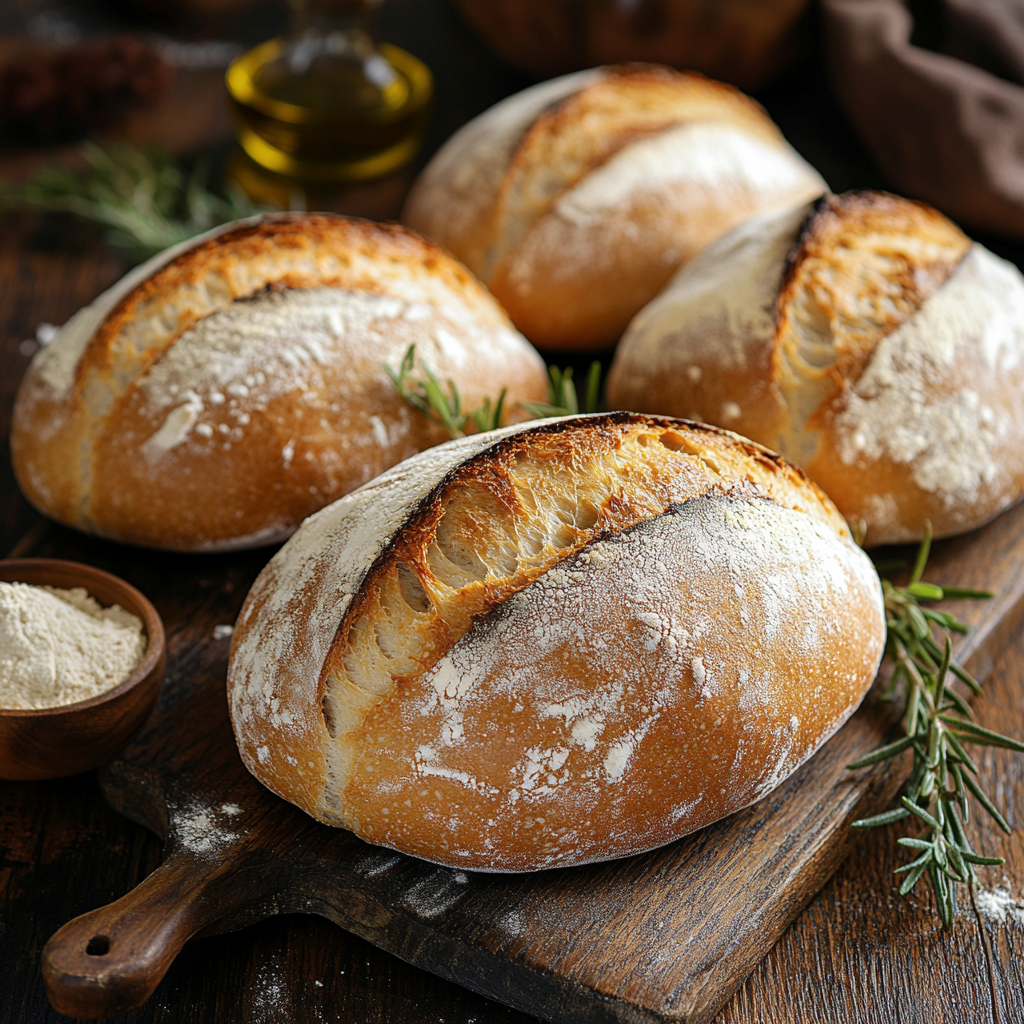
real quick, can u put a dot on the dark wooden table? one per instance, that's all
(858, 953)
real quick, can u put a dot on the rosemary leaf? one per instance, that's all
(883, 753)
(993, 739)
(957, 702)
(986, 803)
(922, 556)
(973, 858)
(923, 861)
(885, 818)
(912, 879)
(965, 677)
(920, 812)
(954, 592)
(917, 844)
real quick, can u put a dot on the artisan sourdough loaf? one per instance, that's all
(865, 338)
(576, 200)
(553, 644)
(222, 392)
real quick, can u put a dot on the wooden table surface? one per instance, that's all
(858, 952)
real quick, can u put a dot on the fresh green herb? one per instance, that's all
(142, 200)
(424, 391)
(937, 727)
(421, 388)
(562, 397)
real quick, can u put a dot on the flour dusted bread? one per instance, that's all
(866, 339)
(576, 200)
(554, 644)
(222, 392)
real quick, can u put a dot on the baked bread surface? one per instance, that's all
(554, 644)
(222, 392)
(865, 338)
(576, 200)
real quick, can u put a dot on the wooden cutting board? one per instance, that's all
(667, 936)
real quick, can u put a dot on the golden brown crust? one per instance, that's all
(864, 338)
(867, 261)
(325, 301)
(576, 136)
(571, 276)
(453, 695)
(481, 505)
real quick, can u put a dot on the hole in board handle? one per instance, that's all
(99, 945)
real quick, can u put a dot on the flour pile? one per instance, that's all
(61, 646)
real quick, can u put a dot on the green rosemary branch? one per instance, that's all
(426, 394)
(562, 397)
(142, 201)
(937, 727)
(423, 390)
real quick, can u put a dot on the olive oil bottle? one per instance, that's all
(326, 103)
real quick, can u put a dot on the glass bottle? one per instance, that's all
(326, 103)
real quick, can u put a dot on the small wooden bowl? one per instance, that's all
(72, 738)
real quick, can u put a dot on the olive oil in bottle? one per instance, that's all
(325, 103)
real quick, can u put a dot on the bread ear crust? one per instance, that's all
(867, 339)
(505, 628)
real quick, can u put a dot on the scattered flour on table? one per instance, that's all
(271, 1001)
(998, 905)
(61, 646)
(198, 829)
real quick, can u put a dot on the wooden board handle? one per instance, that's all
(110, 960)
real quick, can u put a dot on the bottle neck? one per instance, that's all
(328, 16)
(331, 56)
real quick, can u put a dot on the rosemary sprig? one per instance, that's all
(562, 397)
(426, 394)
(141, 199)
(423, 390)
(937, 726)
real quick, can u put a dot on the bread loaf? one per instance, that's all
(220, 393)
(865, 338)
(554, 644)
(576, 200)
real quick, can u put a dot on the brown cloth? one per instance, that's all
(946, 127)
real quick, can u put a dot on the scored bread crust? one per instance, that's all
(576, 200)
(222, 392)
(865, 338)
(554, 644)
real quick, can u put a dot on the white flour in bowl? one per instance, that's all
(61, 646)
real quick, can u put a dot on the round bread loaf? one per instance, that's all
(576, 200)
(229, 387)
(866, 339)
(554, 644)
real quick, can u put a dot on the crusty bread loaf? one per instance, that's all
(866, 339)
(222, 392)
(553, 644)
(575, 200)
